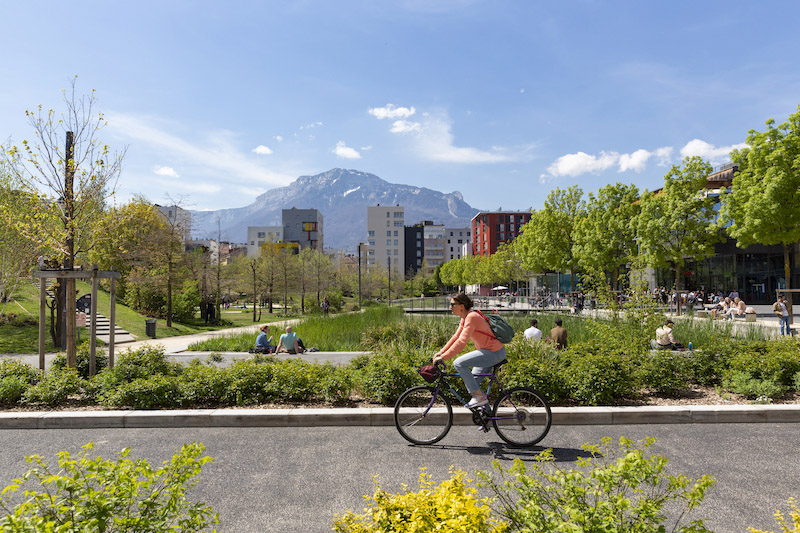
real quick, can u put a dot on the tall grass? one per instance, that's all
(330, 334)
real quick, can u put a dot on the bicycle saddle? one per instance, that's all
(496, 367)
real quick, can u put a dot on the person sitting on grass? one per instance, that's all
(665, 339)
(288, 342)
(264, 341)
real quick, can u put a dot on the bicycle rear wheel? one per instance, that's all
(522, 417)
(422, 416)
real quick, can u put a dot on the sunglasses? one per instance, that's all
(454, 303)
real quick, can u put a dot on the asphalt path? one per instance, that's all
(297, 479)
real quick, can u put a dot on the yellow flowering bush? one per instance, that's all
(794, 514)
(452, 506)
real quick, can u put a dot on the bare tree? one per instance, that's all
(68, 162)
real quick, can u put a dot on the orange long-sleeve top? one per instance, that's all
(474, 327)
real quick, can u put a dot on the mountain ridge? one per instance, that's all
(342, 196)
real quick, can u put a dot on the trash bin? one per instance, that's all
(150, 327)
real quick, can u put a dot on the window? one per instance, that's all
(451, 233)
(502, 227)
(370, 252)
(372, 233)
(419, 253)
(309, 226)
(372, 243)
(397, 214)
(388, 242)
(388, 252)
(395, 251)
(388, 233)
(395, 242)
(451, 249)
(398, 224)
(459, 241)
(261, 235)
(252, 243)
(387, 214)
(395, 233)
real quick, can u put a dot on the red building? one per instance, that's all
(490, 229)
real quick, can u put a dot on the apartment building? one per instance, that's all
(458, 239)
(302, 226)
(386, 237)
(258, 235)
(179, 218)
(492, 228)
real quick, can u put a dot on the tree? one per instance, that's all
(26, 224)
(677, 222)
(547, 240)
(605, 239)
(762, 205)
(67, 160)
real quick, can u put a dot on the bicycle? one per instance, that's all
(520, 415)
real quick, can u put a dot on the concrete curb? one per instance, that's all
(384, 416)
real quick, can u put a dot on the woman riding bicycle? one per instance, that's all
(490, 350)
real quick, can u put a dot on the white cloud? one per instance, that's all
(572, 165)
(311, 125)
(432, 138)
(216, 156)
(709, 152)
(635, 161)
(390, 111)
(166, 171)
(366, 148)
(262, 150)
(345, 152)
(404, 126)
(279, 138)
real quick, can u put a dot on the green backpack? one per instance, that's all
(502, 330)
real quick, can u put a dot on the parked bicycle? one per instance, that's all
(520, 415)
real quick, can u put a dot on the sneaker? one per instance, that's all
(478, 402)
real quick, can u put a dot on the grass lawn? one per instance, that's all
(24, 339)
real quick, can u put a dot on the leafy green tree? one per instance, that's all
(26, 224)
(547, 240)
(677, 222)
(762, 205)
(605, 239)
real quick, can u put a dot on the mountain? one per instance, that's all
(342, 196)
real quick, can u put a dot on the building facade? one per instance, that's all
(490, 229)
(386, 237)
(302, 226)
(459, 241)
(178, 218)
(414, 249)
(258, 235)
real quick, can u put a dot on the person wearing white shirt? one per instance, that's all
(533, 333)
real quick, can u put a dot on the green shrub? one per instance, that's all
(55, 388)
(82, 360)
(752, 388)
(777, 360)
(452, 505)
(333, 383)
(537, 365)
(290, 381)
(144, 362)
(204, 386)
(186, 301)
(247, 382)
(87, 494)
(612, 490)
(11, 390)
(10, 367)
(599, 378)
(154, 392)
(665, 371)
(385, 377)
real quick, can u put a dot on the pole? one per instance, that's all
(69, 205)
(359, 274)
(113, 320)
(389, 263)
(42, 319)
(93, 333)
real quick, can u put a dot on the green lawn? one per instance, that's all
(24, 339)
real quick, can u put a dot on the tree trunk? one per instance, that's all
(169, 293)
(255, 290)
(787, 272)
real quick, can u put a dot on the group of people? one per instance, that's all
(288, 342)
(558, 335)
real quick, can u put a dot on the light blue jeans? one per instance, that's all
(477, 362)
(784, 323)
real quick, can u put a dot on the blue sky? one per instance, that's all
(218, 102)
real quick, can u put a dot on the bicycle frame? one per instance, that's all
(492, 381)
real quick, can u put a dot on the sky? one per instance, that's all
(218, 102)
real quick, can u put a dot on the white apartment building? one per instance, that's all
(433, 246)
(386, 237)
(258, 235)
(178, 218)
(457, 238)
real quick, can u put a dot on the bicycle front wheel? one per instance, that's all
(522, 417)
(422, 416)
